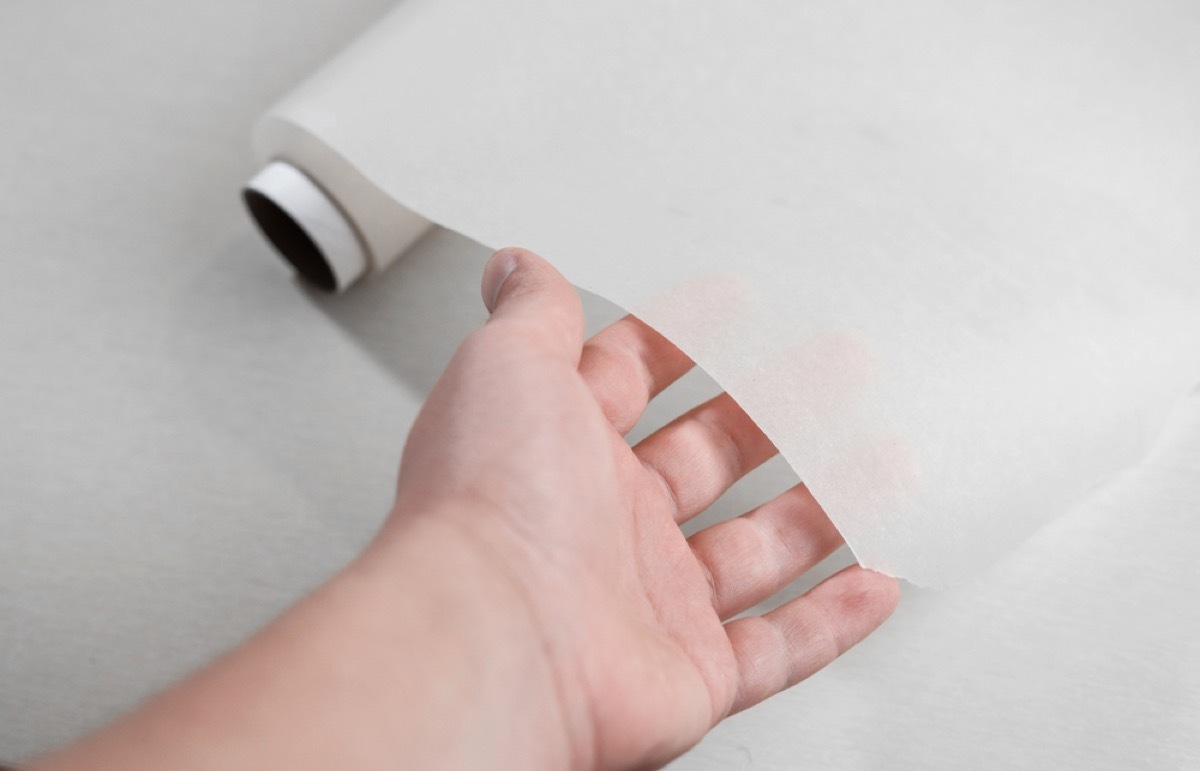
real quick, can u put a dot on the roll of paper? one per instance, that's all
(945, 255)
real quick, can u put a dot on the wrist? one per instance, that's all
(476, 669)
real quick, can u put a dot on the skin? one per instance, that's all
(530, 601)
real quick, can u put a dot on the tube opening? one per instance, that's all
(290, 240)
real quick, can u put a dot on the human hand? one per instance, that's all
(519, 457)
(531, 601)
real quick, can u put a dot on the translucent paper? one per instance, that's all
(945, 255)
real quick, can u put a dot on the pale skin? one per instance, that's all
(530, 602)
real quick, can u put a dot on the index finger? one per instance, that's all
(626, 365)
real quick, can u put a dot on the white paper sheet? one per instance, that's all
(1078, 651)
(946, 256)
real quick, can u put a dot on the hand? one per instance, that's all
(520, 451)
(531, 601)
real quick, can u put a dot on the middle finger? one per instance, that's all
(699, 455)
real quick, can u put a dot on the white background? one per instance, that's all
(189, 440)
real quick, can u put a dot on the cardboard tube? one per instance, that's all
(305, 226)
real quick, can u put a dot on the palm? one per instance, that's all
(639, 637)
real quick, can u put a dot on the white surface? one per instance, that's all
(189, 441)
(308, 206)
(887, 229)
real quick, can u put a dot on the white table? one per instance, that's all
(189, 440)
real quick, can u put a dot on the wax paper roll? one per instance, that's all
(945, 254)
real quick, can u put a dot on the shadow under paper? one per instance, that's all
(411, 317)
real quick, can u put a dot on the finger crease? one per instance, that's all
(711, 580)
(668, 487)
(828, 632)
(731, 448)
(785, 654)
(781, 553)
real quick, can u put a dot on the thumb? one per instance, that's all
(518, 286)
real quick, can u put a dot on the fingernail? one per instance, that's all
(504, 263)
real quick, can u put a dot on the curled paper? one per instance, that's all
(945, 256)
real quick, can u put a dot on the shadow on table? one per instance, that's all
(411, 317)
